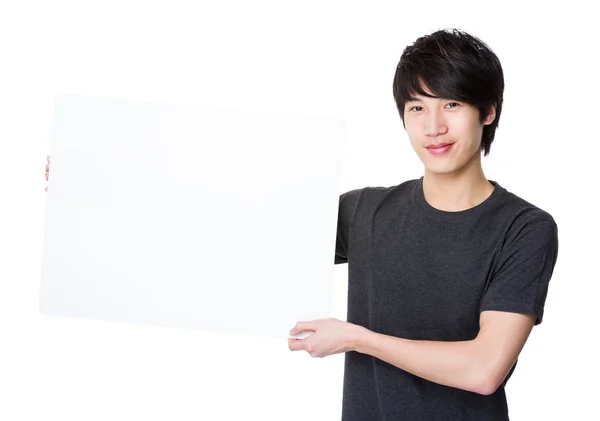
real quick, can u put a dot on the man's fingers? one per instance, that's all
(302, 326)
(295, 345)
(301, 345)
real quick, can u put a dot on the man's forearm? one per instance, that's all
(457, 364)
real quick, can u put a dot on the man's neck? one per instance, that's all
(457, 191)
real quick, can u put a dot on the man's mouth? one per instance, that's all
(439, 148)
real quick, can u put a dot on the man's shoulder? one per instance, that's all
(524, 225)
(372, 192)
(521, 210)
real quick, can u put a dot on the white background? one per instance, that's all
(325, 57)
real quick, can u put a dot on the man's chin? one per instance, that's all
(441, 169)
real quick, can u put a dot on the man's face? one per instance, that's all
(446, 134)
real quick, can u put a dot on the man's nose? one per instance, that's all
(435, 124)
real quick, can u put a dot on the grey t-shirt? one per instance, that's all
(419, 273)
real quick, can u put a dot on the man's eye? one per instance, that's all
(417, 106)
(455, 103)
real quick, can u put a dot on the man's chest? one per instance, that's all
(423, 279)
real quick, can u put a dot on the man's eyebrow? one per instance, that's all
(420, 99)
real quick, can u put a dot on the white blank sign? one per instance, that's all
(186, 216)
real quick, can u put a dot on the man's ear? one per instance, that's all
(491, 116)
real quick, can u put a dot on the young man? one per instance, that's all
(448, 273)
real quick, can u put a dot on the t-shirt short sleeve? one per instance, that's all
(520, 280)
(346, 209)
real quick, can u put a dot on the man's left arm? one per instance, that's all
(479, 365)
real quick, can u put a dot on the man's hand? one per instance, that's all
(331, 336)
(47, 170)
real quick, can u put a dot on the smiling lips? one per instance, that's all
(439, 148)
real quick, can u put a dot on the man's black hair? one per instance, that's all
(455, 65)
